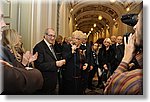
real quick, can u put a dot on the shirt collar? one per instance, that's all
(47, 43)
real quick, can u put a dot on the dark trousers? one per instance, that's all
(91, 76)
(72, 86)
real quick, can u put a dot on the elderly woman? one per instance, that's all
(105, 58)
(76, 64)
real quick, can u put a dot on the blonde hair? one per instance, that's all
(107, 39)
(78, 34)
(11, 39)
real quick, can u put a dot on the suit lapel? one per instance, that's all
(48, 50)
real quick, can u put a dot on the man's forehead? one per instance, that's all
(113, 36)
(119, 37)
(50, 31)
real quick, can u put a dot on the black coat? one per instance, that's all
(46, 63)
(88, 52)
(72, 73)
(119, 52)
(58, 49)
(106, 57)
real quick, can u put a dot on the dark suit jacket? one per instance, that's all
(18, 80)
(106, 57)
(46, 63)
(88, 53)
(58, 50)
(119, 53)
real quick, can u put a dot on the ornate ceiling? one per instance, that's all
(85, 13)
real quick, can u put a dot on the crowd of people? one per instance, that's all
(67, 66)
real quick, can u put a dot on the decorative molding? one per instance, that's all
(7, 9)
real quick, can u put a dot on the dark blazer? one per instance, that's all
(119, 53)
(46, 63)
(72, 73)
(58, 50)
(106, 57)
(88, 52)
(18, 80)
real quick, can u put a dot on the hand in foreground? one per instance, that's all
(5, 63)
(129, 48)
(26, 57)
(33, 57)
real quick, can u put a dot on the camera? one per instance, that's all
(131, 20)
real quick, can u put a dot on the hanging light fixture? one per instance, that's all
(94, 25)
(100, 17)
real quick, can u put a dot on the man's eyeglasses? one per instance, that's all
(50, 35)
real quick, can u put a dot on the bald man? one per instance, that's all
(113, 39)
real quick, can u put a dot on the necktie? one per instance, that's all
(52, 50)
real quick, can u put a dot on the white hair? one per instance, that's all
(78, 34)
(107, 39)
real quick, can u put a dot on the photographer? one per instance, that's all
(125, 80)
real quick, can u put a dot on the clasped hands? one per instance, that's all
(60, 63)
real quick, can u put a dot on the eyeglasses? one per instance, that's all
(50, 35)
